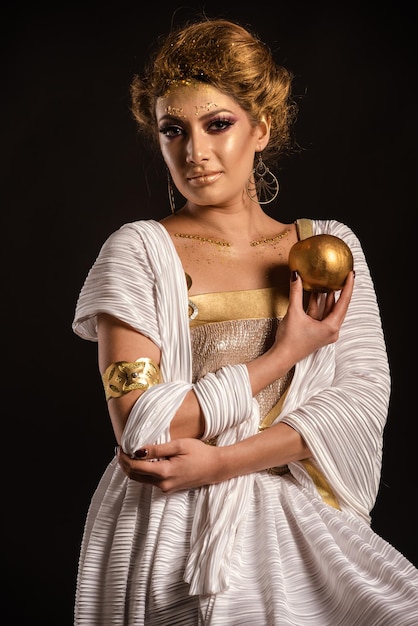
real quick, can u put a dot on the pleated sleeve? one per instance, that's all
(121, 282)
(339, 396)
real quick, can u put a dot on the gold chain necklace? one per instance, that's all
(274, 239)
(220, 242)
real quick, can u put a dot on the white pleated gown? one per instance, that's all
(287, 549)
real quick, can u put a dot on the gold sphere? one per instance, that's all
(322, 261)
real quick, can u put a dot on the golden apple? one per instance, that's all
(322, 261)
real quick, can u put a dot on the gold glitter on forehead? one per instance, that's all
(199, 108)
(176, 111)
(205, 107)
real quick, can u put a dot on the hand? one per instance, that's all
(174, 466)
(303, 332)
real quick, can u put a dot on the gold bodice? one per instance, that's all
(236, 327)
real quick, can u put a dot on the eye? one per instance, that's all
(171, 130)
(220, 124)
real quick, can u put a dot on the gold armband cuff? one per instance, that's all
(122, 377)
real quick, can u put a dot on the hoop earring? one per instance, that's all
(171, 193)
(262, 190)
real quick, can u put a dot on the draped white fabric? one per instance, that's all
(338, 400)
(339, 396)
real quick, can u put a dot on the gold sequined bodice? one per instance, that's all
(236, 327)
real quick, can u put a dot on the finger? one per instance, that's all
(156, 451)
(296, 290)
(313, 309)
(338, 311)
(128, 462)
(136, 469)
(141, 453)
(345, 295)
(328, 304)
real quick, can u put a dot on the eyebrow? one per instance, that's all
(205, 116)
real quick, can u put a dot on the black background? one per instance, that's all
(74, 169)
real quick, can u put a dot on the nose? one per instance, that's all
(197, 149)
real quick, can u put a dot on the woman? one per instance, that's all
(248, 413)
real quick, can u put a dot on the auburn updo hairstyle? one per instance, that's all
(229, 57)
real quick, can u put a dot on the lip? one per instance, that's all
(204, 178)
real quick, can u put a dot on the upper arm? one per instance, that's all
(118, 341)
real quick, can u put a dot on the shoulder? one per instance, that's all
(133, 236)
(131, 231)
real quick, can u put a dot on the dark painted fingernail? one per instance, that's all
(293, 276)
(140, 454)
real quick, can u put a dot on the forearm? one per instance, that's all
(278, 445)
(268, 368)
(189, 463)
(189, 420)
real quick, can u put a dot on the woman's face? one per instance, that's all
(208, 143)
